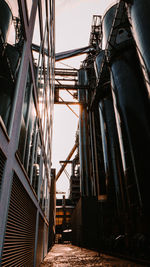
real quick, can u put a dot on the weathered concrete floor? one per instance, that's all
(67, 255)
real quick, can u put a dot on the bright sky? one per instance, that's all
(73, 24)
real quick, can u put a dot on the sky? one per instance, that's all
(73, 19)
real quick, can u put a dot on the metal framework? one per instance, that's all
(96, 32)
(26, 122)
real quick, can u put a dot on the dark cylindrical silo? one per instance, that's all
(109, 137)
(133, 118)
(83, 135)
(138, 12)
(115, 163)
(107, 23)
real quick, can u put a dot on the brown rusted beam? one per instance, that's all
(68, 103)
(63, 73)
(65, 164)
(66, 80)
(70, 87)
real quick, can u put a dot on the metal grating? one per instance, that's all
(45, 240)
(19, 242)
(2, 166)
(39, 254)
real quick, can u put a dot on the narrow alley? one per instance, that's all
(67, 255)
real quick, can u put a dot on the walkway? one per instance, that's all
(68, 255)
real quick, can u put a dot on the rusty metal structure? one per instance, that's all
(26, 121)
(112, 214)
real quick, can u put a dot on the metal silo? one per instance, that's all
(132, 112)
(138, 12)
(107, 23)
(116, 170)
(112, 157)
(83, 135)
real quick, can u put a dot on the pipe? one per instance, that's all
(66, 54)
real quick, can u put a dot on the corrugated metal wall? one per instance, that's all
(39, 254)
(18, 249)
(2, 166)
(45, 240)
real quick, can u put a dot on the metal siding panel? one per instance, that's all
(39, 255)
(2, 166)
(19, 242)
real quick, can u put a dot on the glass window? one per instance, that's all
(24, 120)
(9, 66)
(42, 186)
(33, 138)
(36, 33)
(43, 11)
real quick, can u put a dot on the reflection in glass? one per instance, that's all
(29, 7)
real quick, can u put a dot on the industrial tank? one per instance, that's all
(131, 104)
(115, 164)
(83, 134)
(109, 138)
(111, 151)
(139, 12)
(107, 21)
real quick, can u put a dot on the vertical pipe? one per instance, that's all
(104, 140)
(94, 191)
(116, 170)
(83, 137)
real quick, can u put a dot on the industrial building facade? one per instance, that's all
(26, 117)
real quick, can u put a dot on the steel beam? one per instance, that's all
(70, 87)
(67, 159)
(68, 103)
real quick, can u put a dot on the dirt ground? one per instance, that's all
(67, 255)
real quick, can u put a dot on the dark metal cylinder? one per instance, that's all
(131, 104)
(83, 136)
(131, 100)
(115, 164)
(122, 30)
(107, 21)
(139, 12)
